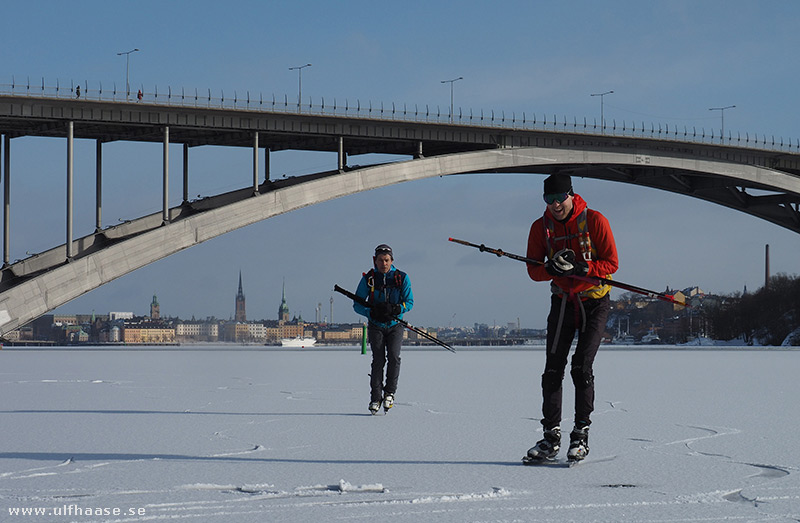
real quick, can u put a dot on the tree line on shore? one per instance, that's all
(767, 316)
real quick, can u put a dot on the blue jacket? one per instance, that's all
(392, 287)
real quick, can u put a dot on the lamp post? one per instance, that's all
(722, 115)
(451, 82)
(602, 117)
(299, 69)
(127, 70)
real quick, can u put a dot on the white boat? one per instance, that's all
(298, 342)
(651, 338)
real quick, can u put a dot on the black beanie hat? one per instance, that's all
(557, 183)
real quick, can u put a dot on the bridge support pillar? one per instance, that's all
(70, 149)
(255, 163)
(266, 164)
(6, 153)
(341, 161)
(185, 173)
(165, 190)
(98, 210)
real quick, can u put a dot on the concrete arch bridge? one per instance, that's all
(760, 180)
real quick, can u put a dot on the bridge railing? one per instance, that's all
(247, 101)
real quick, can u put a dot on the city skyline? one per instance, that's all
(284, 311)
(667, 63)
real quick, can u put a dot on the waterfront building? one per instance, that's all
(197, 331)
(236, 332)
(257, 332)
(295, 329)
(147, 334)
(65, 319)
(345, 333)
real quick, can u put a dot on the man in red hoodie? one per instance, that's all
(576, 242)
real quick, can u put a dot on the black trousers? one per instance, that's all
(595, 312)
(385, 344)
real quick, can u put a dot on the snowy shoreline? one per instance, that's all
(406, 348)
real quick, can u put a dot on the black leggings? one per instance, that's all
(596, 313)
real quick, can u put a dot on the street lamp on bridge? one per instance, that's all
(451, 82)
(602, 117)
(127, 70)
(722, 115)
(299, 69)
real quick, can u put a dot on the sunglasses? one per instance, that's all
(550, 199)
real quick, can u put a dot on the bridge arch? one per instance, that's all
(36, 285)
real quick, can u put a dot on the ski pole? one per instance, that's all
(365, 303)
(597, 280)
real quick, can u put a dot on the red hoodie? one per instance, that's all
(604, 261)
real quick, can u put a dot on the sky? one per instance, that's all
(667, 62)
(263, 435)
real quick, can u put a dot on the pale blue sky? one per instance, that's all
(667, 62)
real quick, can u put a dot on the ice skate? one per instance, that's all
(545, 449)
(578, 443)
(388, 402)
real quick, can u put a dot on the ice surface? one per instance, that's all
(285, 435)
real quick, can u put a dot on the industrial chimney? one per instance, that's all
(766, 269)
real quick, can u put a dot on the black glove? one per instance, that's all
(561, 264)
(581, 266)
(382, 312)
(377, 313)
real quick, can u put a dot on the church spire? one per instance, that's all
(240, 314)
(283, 310)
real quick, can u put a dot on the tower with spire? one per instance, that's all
(240, 315)
(155, 309)
(283, 310)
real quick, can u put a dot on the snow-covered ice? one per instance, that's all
(275, 435)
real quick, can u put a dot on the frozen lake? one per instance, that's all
(275, 435)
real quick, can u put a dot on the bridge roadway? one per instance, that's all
(759, 180)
